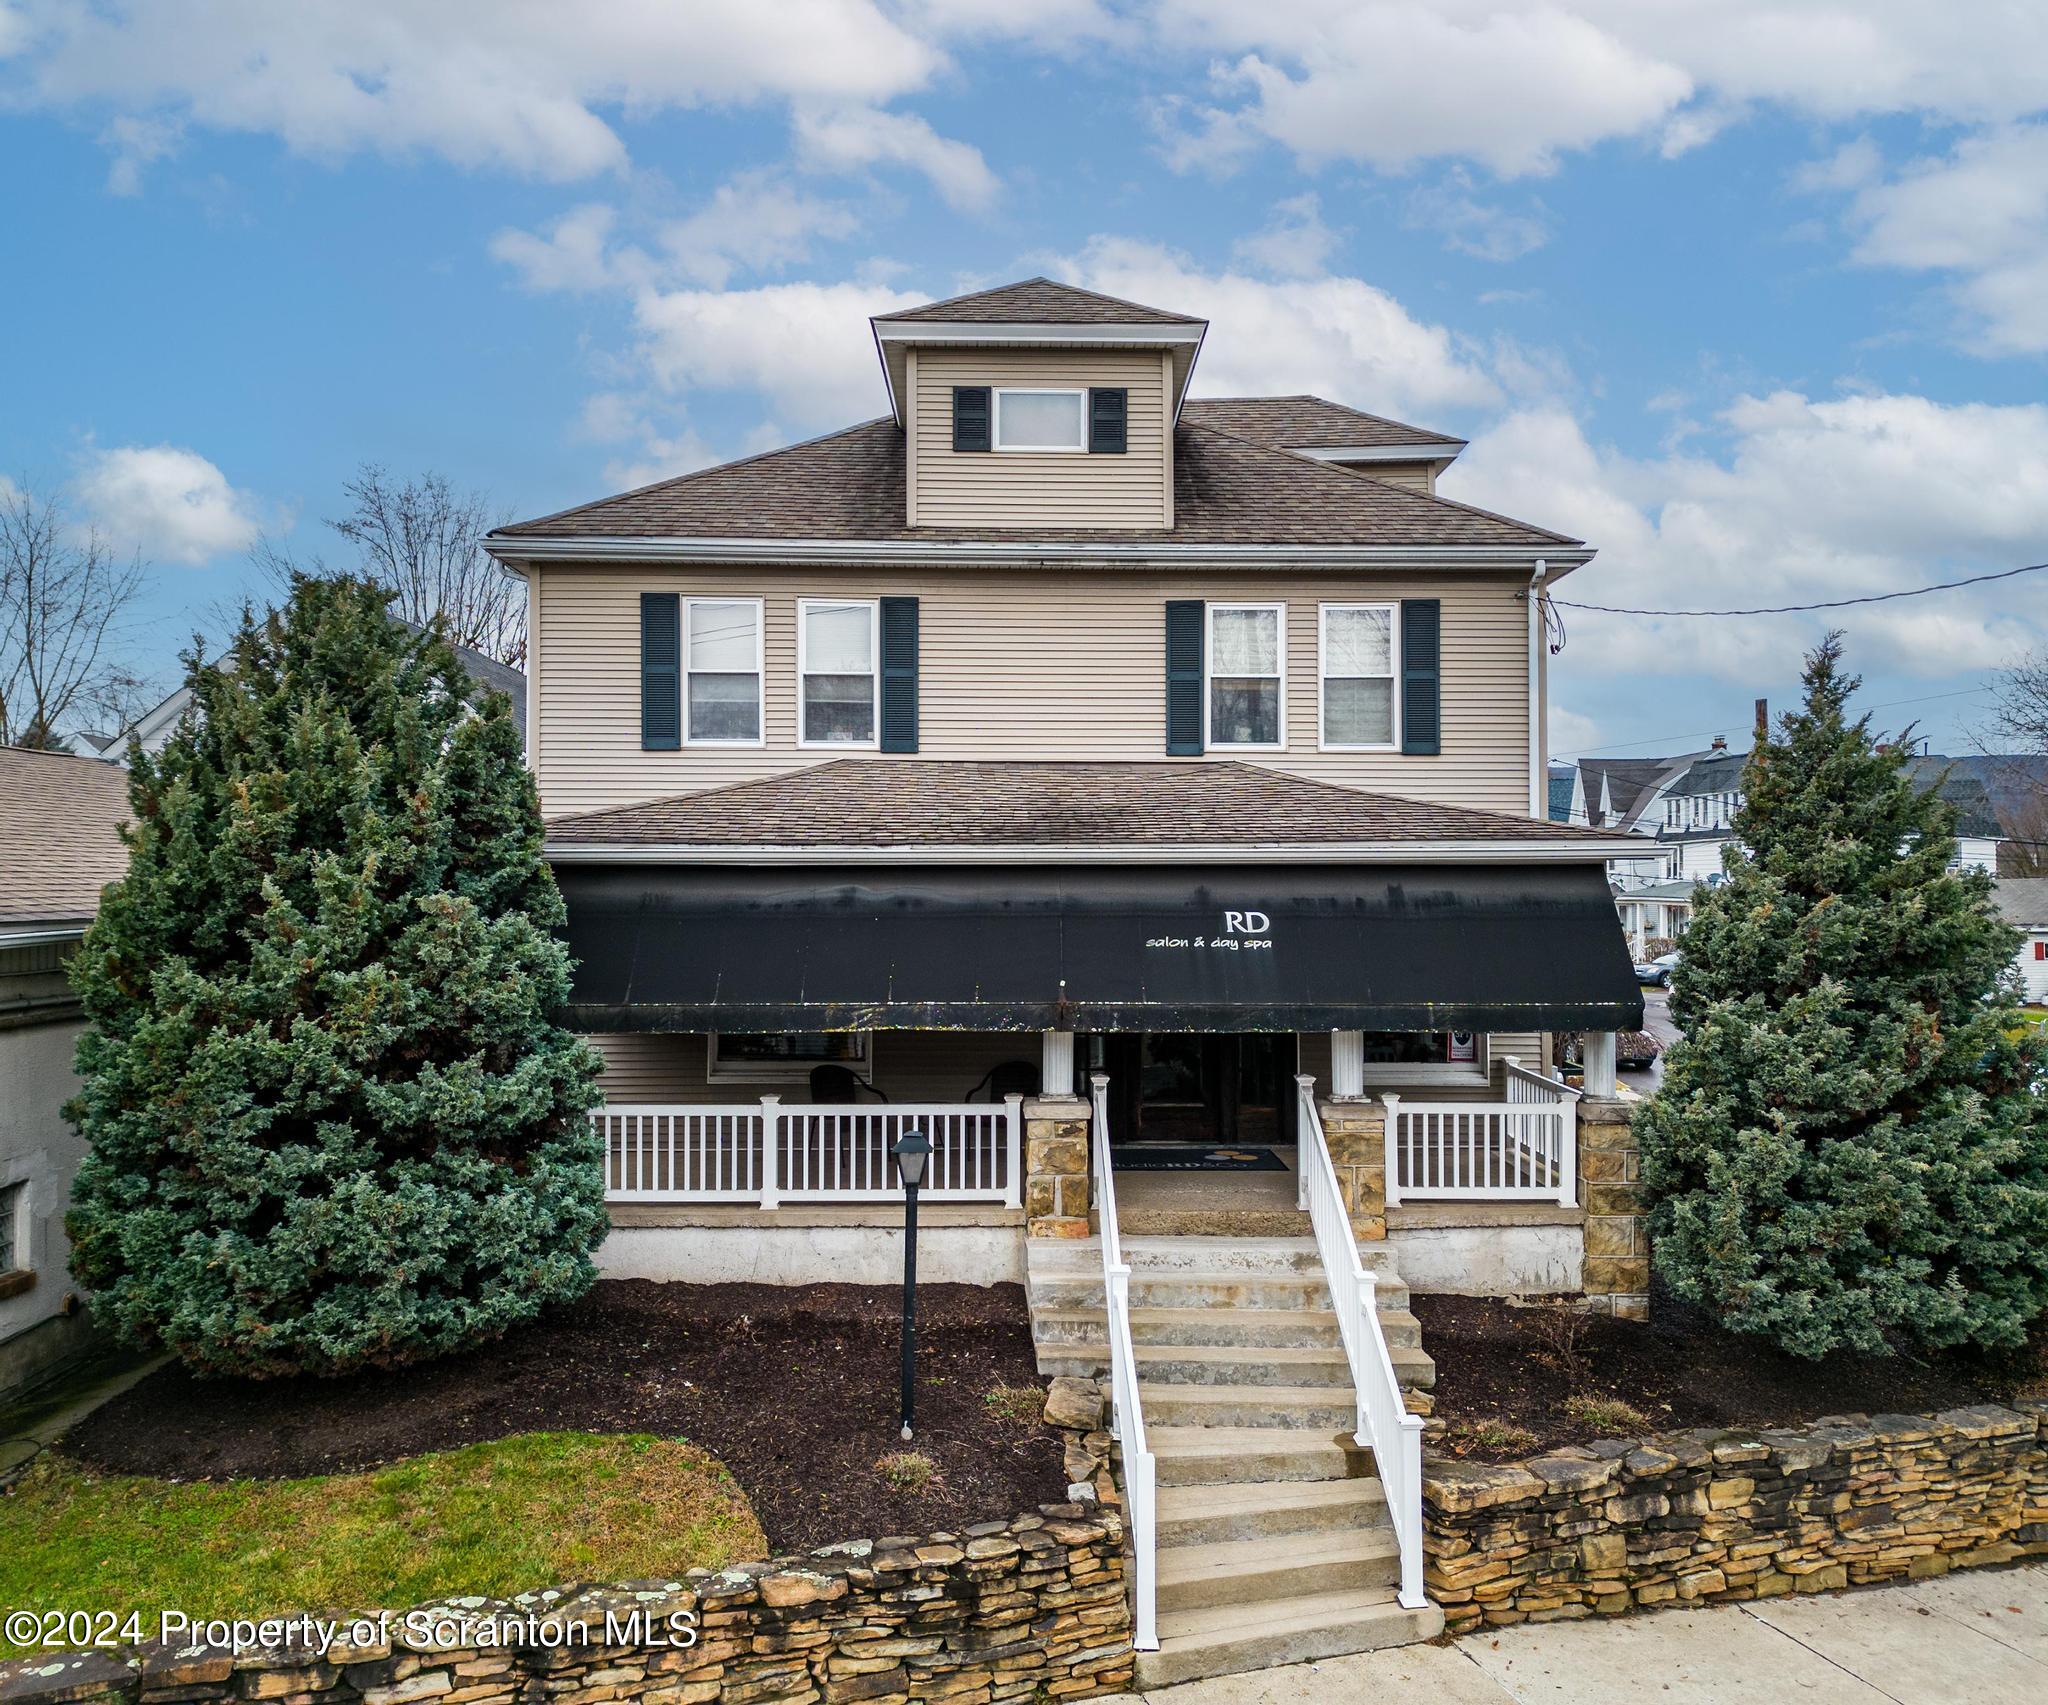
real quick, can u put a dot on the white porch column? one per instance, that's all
(1347, 1065)
(1056, 1062)
(1599, 1052)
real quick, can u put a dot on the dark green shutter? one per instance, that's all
(661, 686)
(899, 674)
(1184, 677)
(970, 417)
(1422, 720)
(1107, 412)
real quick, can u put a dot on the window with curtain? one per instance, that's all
(1358, 675)
(1246, 674)
(836, 659)
(722, 660)
(1041, 420)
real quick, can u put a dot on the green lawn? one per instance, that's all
(529, 1511)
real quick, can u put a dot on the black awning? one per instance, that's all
(1129, 947)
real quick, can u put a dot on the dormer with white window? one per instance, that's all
(1038, 406)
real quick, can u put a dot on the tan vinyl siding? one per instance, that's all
(1416, 476)
(1018, 664)
(1018, 489)
(909, 1066)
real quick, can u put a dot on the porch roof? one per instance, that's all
(1029, 811)
(1228, 947)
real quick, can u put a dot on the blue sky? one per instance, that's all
(1753, 296)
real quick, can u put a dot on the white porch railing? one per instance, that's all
(1520, 1149)
(1127, 1416)
(765, 1153)
(1382, 1420)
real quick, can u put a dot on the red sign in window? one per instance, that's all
(2041, 950)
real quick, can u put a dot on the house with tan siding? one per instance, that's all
(1141, 799)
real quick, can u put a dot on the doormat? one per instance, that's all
(1188, 1157)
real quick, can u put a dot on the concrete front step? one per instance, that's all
(1266, 1509)
(1243, 1364)
(1204, 1290)
(1239, 1637)
(1241, 1255)
(1323, 1408)
(1277, 1567)
(1209, 1456)
(1215, 1326)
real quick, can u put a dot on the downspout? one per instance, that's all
(1538, 789)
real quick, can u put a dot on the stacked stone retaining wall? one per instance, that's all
(1708, 1515)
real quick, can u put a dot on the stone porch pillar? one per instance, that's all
(1356, 1132)
(1617, 1274)
(1055, 1166)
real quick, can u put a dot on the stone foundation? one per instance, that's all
(1706, 1515)
(1056, 1166)
(1617, 1266)
(1356, 1132)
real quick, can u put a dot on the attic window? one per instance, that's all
(1041, 420)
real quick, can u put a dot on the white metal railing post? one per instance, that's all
(1126, 1406)
(1568, 1153)
(1392, 1104)
(771, 1151)
(1304, 1092)
(1013, 1165)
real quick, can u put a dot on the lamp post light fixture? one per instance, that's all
(911, 1151)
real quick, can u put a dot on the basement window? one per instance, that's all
(1041, 420)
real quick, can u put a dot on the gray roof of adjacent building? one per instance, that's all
(60, 841)
(2024, 901)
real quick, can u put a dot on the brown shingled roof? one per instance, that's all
(58, 842)
(860, 802)
(850, 485)
(1295, 423)
(1039, 301)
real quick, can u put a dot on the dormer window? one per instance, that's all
(1041, 420)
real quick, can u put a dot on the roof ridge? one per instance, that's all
(1337, 470)
(925, 308)
(1435, 437)
(698, 473)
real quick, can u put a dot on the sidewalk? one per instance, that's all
(1980, 1636)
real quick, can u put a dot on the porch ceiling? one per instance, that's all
(1159, 948)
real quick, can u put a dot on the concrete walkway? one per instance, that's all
(1980, 1636)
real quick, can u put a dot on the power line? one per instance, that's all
(1829, 604)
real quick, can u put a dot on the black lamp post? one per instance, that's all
(912, 1150)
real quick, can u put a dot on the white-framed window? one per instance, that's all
(1245, 695)
(13, 1228)
(836, 647)
(786, 1056)
(1426, 1056)
(722, 671)
(1356, 648)
(1041, 418)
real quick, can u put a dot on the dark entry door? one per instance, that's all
(1181, 1088)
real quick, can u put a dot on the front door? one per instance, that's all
(1181, 1088)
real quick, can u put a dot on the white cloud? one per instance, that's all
(1568, 731)
(1512, 84)
(1339, 337)
(1294, 244)
(852, 138)
(755, 223)
(165, 503)
(1484, 230)
(136, 144)
(573, 254)
(1979, 212)
(1806, 501)
(521, 84)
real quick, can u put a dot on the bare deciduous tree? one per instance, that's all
(2019, 724)
(63, 597)
(423, 539)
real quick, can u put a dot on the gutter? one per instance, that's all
(1270, 852)
(42, 935)
(1539, 783)
(511, 550)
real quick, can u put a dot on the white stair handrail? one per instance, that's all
(1382, 1422)
(1127, 1417)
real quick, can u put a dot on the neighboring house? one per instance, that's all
(59, 846)
(154, 727)
(2024, 901)
(1067, 770)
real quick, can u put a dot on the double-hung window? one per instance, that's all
(722, 660)
(1359, 644)
(1247, 666)
(1042, 420)
(836, 647)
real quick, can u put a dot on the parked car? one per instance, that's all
(1653, 975)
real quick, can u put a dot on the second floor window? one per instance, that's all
(722, 648)
(1247, 674)
(1358, 676)
(1041, 420)
(836, 673)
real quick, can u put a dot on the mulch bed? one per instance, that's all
(1504, 1387)
(794, 1388)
